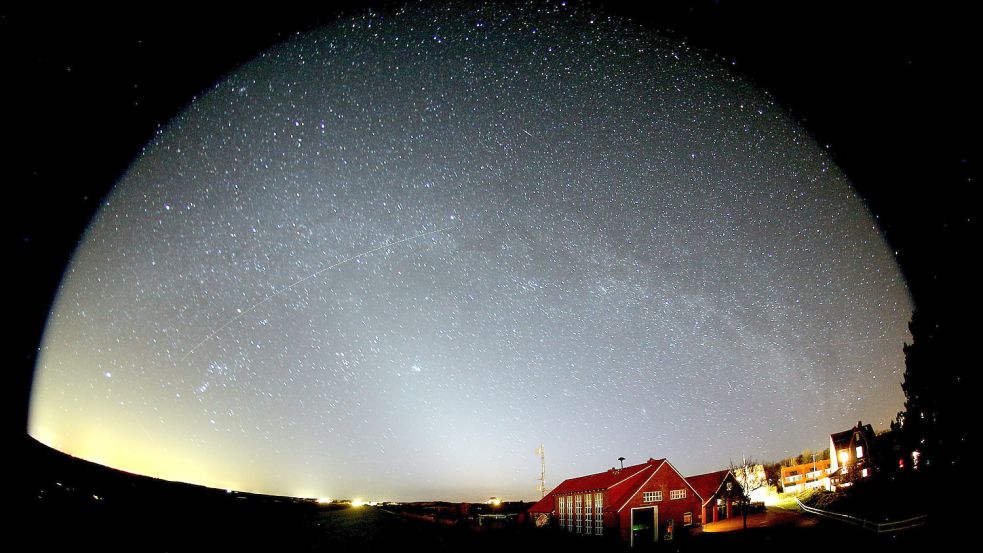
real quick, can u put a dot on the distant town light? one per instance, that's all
(357, 502)
(323, 500)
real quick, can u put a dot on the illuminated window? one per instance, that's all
(860, 452)
(588, 514)
(649, 497)
(863, 473)
(598, 514)
(677, 494)
(687, 519)
(577, 512)
(570, 513)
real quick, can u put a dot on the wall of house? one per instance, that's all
(664, 480)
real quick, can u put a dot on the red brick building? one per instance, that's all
(720, 491)
(640, 503)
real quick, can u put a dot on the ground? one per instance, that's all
(771, 518)
(63, 504)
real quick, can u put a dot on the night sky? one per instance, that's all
(405, 249)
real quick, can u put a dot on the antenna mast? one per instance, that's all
(541, 451)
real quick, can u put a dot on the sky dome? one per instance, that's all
(393, 256)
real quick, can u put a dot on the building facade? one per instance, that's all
(638, 504)
(850, 455)
(720, 491)
(807, 476)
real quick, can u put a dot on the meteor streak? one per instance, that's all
(311, 276)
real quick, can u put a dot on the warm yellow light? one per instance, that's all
(494, 501)
(323, 500)
(844, 456)
(357, 502)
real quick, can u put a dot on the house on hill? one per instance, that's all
(720, 491)
(639, 504)
(850, 455)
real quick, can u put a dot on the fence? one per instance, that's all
(877, 527)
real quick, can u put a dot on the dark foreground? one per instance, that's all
(66, 504)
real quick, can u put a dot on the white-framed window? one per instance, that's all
(598, 514)
(570, 513)
(687, 519)
(561, 511)
(578, 507)
(677, 494)
(651, 497)
(588, 513)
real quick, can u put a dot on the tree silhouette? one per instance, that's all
(936, 419)
(751, 475)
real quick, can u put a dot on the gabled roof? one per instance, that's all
(707, 485)
(621, 493)
(845, 439)
(544, 505)
(620, 483)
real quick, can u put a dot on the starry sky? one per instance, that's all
(392, 256)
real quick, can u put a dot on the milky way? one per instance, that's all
(391, 257)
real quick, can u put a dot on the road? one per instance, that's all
(771, 518)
